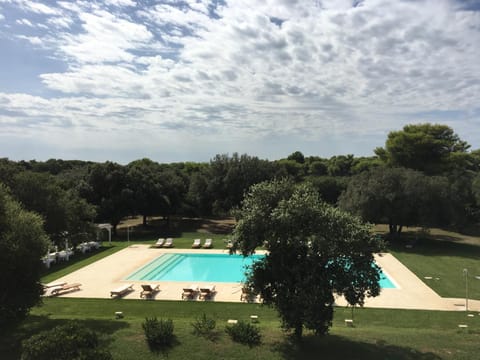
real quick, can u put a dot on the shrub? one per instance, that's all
(158, 333)
(71, 341)
(244, 333)
(205, 327)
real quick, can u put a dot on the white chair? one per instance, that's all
(207, 244)
(196, 243)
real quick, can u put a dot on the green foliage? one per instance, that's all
(63, 210)
(424, 147)
(398, 197)
(230, 176)
(313, 250)
(244, 333)
(204, 326)
(296, 156)
(329, 187)
(108, 190)
(158, 333)
(22, 243)
(65, 342)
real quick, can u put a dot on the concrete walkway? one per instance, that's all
(107, 274)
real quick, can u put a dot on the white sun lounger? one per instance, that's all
(168, 243)
(196, 243)
(207, 244)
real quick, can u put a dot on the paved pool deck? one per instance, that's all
(109, 273)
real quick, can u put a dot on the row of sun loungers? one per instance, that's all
(165, 243)
(149, 290)
(191, 292)
(204, 292)
(197, 243)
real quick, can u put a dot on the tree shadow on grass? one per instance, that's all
(165, 349)
(442, 245)
(10, 343)
(337, 347)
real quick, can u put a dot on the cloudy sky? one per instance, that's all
(185, 80)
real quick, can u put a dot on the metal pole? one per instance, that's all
(465, 272)
(128, 235)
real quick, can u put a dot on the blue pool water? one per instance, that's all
(205, 267)
(195, 267)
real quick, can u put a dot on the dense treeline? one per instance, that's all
(425, 175)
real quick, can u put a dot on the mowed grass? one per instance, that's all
(378, 334)
(442, 256)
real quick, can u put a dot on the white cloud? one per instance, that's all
(60, 22)
(34, 40)
(307, 69)
(38, 8)
(121, 2)
(24, 22)
(106, 37)
(2, 17)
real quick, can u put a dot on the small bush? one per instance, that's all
(205, 327)
(244, 333)
(158, 333)
(71, 341)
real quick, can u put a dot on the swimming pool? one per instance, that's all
(195, 267)
(191, 267)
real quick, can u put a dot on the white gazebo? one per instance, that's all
(107, 227)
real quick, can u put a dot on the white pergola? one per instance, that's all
(107, 227)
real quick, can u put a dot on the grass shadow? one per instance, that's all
(10, 344)
(441, 245)
(337, 347)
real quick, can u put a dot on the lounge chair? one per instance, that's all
(159, 243)
(65, 288)
(47, 288)
(207, 244)
(247, 295)
(122, 290)
(149, 290)
(207, 292)
(168, 243)
(190, 291)
(196, 243)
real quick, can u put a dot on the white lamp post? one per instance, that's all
(465, 272)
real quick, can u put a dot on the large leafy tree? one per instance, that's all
(424, 147)
(231, 176)
(22, 243)
(62, 210)
(398, 197)
(314, 251)
(148, 191)
(108, 189)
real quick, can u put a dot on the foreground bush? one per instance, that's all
(205, 327)
(158, 333)
(65, 342)
(244, 333)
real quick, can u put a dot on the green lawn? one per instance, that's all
(445, 261)
(378, 334)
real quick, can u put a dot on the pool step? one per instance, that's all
(164, 267)
(143, 273)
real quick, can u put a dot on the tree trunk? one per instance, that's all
(395, 230)
(144, 220)
(298, 332)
